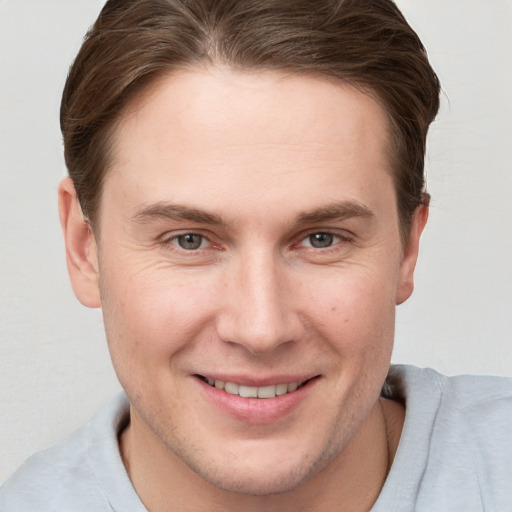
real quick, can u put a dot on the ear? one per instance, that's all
(81, 249)
(408, 264)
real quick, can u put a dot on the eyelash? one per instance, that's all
(338, 239)
(332, 238)
(173, 240)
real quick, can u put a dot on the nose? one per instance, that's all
(258, 310)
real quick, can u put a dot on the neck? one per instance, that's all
(353, 479)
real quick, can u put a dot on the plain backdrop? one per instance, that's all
(55, 370)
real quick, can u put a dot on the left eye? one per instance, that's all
(320, 240)
(190, 241)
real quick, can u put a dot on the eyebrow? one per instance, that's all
(335, 211)
(177, 212)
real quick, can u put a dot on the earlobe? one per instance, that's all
(408, 264)
(81, 249)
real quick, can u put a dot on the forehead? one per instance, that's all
(271, 106)
(237, 133)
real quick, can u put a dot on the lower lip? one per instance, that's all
(256, 410)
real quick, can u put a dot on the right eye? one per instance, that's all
(320, 240)
(190, 241)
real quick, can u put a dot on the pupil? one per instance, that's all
(190, 241)
(320, 240)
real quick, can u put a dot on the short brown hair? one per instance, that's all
(366, 43)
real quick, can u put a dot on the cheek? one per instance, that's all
(355, 309)
(150, 315)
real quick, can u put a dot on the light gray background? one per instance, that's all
(54, 366)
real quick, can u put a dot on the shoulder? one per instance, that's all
(70, 473)
(462, 392)
(456, 445)
(477, 409)
(51, 478)
(483, 401)
(475, 418)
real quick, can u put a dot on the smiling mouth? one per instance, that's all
(270, 391)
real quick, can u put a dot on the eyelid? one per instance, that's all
(169, 237)
(342, 234)
(175, 241)
(336, 240)
(167, 241)
(174, 233)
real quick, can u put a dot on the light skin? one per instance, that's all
(249, 234)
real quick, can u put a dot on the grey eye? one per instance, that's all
(190, 241)
(321, 240)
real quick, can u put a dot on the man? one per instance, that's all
(245, 203)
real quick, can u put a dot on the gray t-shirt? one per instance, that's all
(455, 454)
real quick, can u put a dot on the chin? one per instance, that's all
(264, 477)
(256, 485)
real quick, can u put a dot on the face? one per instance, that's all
(248, 263)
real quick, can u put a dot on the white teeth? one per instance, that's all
(252, 391)
(231, 388)
(281, 389)
(248, 391)
(267, 392)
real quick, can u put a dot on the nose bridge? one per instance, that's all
(258, 313)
